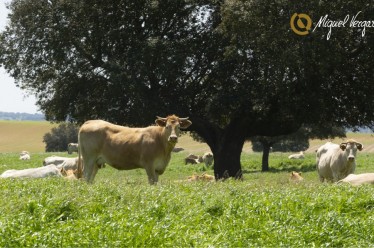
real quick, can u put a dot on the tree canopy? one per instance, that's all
(235, 66)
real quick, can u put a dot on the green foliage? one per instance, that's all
(297, 141)
(58, 139)
(282, 145)
(121, 210)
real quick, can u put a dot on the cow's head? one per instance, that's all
(172, 125)
(296, 176)
(351, 147)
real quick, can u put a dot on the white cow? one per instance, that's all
(69, 164)
(24, 155)
(208, 158)
(299, 155)
(72, 147)
(40, 172)
(66, 163)
(335, 162)
(359, 179)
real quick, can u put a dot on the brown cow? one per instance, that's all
(126, 148)
(296, 176)
(70, 174)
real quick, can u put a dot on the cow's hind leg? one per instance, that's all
(90, 170)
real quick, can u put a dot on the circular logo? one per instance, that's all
(303, 23)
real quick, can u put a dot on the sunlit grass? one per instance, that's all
(121, 210)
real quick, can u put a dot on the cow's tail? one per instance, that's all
(80, 160)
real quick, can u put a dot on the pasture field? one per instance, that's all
(121, 210)
(16, 136)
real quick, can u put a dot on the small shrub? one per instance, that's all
(59, 137)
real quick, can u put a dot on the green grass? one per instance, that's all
(121, 210)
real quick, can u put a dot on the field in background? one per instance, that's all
(16, 136)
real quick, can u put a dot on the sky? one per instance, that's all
(12, 98)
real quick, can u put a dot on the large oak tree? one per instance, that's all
(235, 67)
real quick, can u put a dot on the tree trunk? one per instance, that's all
(227, 159)
(226, 145)
(265, 156)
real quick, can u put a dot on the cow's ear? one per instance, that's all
(63, 171)
(343, 146)
(161, 122)
(185, 124)
(360, 147)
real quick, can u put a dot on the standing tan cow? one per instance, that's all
(335, 162)
(126, 148)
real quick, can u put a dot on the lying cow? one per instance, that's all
(69, 164)
(359, 179)
(208, 158)
(70, 174)
(204, 177)
(72, 147)
(40, 172)
(62, 162)
(296, 176)
(299, 155)
(56, 160)
(335, 162)
(193, 159)
(24, 155)
(126, 148)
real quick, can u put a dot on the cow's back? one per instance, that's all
(92, 134)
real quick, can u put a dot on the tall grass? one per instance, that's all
(121, 210)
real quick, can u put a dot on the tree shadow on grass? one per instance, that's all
(285, 167)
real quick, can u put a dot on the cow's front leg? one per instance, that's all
(152, 175)
(335, 177)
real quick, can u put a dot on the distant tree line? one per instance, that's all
(21, 116)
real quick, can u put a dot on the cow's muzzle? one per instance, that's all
(173, 138)
(351, 158)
